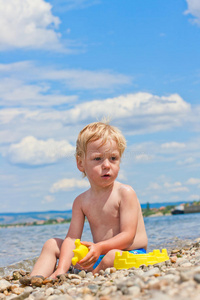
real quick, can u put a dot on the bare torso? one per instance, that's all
(103, 214)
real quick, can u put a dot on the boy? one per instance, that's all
(112, 208)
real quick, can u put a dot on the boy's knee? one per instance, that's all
(110, 257)
(50, 244)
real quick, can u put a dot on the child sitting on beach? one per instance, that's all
(111, 208)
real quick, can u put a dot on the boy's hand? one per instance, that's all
(92, 256)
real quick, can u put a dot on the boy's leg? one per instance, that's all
(46, 263)
(107, 261)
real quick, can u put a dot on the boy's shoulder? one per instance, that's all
(82, 196)
(125, 189)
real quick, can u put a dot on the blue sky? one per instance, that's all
(66, 63)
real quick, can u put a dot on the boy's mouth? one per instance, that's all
(106, 175)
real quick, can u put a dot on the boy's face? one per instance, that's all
(101, 163)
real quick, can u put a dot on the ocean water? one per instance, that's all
(19, 246)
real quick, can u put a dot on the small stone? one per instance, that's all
(112, 270)
(175, 251)
(151, 272)
(76, 281)
(49, 291)
(197, 277)
(22, 272)
(37, 280)
(134, 290)
(173, 259)
(82, 274)
(107, 271)
(48, 280)
(88, 297)
(62, 277)
(4, 285)
(16, 275)
(93, 288)
(186, 265)
(64, 287)
(17, 290)
(101, 272)
(28, 289)
(89, 275)
(108, 290)
(74, 276)
(26, 280)
(185, 276)
(187, 247)
(8, 278)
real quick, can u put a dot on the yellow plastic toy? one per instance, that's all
(79, 252)
(128, 260)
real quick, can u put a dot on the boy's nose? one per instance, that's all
(106, 164)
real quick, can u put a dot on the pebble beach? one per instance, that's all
(177, 278)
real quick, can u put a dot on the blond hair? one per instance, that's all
(99, 130)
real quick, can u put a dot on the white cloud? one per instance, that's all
(65, 5)
(143, 112)
(154, 186)
(143, 157)
(87, 80)
(194, 197)
(175, 187)
(194, 181)
(33, 152)
(15, 92)
(173, 145)
(194, 9)
(69, 184)
(187, 161)
(28, 24)
(26, 84)
(48, 199)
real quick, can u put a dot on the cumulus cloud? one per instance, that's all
(194, 181)
(173, 145)
(194, 197)
(87, 80)
(28, 24)
(33, 152)
(143, 112)
(176, 187)
(194, 9)
(69, 184)
(15, 92)
(48, 199)
(26, 84)
(133, 113)
(187, 161)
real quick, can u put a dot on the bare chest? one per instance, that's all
(102, 212)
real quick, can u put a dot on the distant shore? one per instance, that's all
(147, 212)
(37, 223)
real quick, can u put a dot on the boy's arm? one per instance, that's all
(74, 232)
(129, 210)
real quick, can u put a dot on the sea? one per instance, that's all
(20, 246)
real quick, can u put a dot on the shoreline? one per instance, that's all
(56, 222)
(177, 278)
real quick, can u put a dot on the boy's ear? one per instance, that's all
(79, 162)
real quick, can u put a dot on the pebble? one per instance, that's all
(4, 285)
(176, 279)
(197, 277)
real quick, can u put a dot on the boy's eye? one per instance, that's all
(113, 158)
(97, 158)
